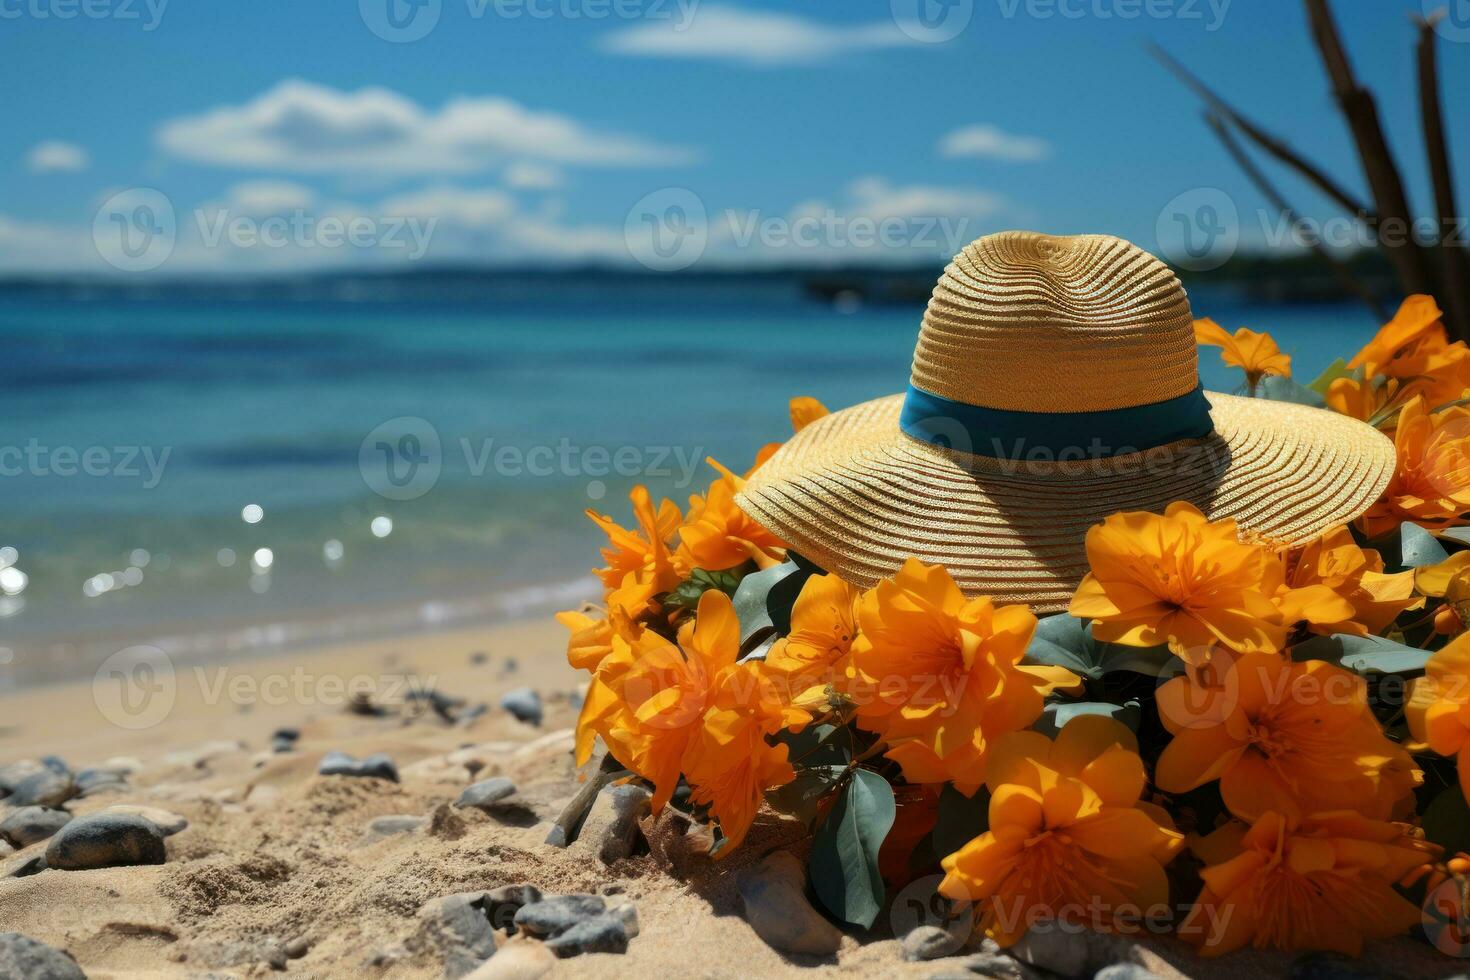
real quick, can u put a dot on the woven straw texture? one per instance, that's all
(1040, 323)
(855, 494)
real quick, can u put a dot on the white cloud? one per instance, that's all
(753, 37)
(302, 127)
(525, 175)
(267, 197)
(981, 140)
(54, 156)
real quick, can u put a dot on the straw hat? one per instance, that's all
(1055, 382)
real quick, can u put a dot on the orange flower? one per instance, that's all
(823, 627)
(1067, 836)
(729, 763)
(1431, 481)
(1254, 353)
(1182, 580)
(1413, 350)
(1336, 587)
(1291, 737)
(805, 411)
(1449, 580)
(639, 563)
(1439, 705)
(1320, 882)
(718, 535)
(939, 676)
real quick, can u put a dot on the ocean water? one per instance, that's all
(137, 437)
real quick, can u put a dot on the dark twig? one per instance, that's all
(569, 823)
(1269, 191)
(1361, 113)
(1270, 144)
(1455, 268)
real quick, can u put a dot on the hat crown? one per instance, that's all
(1056, 323)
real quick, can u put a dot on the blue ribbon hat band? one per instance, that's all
(1053, 436)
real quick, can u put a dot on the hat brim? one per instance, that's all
(858, 496)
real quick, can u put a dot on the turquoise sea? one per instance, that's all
(214, 474)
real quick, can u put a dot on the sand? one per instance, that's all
(275, 853)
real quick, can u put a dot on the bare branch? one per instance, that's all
(1270, 144)
(1455, 268)
(1339, 271)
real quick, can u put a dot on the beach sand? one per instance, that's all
(276, 854)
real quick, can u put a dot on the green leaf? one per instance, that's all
(764, 599)
(1419, 548)
(686, 595)
(818, 745)
(1065, 641)
(1337, 369)
(801, 797)
(1363, 654)
(1279, 389)
(1054, 717)
(844, 861)
(1447, 821)
(961, 819)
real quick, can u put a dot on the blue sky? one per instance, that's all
(532, 129)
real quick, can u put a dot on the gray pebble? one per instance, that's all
(927, 943)
(43, 788)
(1052, 947)
(485, 793)
(11, 775)
(106, 840)
(524, 704)
(504, 902)
(29, 824)
(378, 766)
(398, 824)
(24, 958)
(553, 916)
(776, 906)
(458, 929)
(602, 934)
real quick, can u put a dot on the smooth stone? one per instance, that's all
(524, 703)
(458, 929)
(553, 916)
(1060, 950)
(43, 788)
(286, 734)
(106, 840)
(997, 966)
(398, 824)
(56, 764)
(1125, 971)
(29, 824)
(24, 958)
(378, 766)
(297, 948)
(24, 863)
(519, 959)
(628, 913)
(774, 893)
(603, 934)
(611, 827)
(485, 793)
(280, 746)
(504, 902)
(94, 777)
(927, 943)
(167, 822)
(11, 775)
